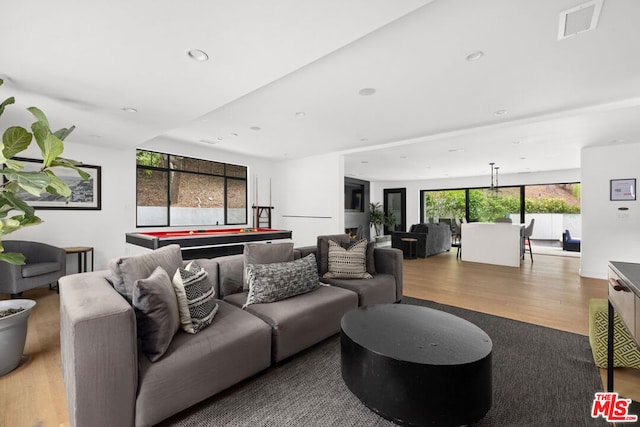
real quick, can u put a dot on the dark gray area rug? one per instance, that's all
(541, 377)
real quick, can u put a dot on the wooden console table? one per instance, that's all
(624, 298)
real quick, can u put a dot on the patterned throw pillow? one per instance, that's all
(277, 281)
(348, 263)
(196, 297)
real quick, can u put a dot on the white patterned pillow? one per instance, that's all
(277, 281)
(348, 263)
(196, 297)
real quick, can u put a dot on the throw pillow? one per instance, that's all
(277, 281)
(371, 262)
(156, 309)
(261, 253)
(196, 297)
(322, 251)
(347, 263)
(125, 271)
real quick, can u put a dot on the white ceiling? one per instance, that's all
(432, 114)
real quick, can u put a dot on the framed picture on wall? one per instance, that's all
(623, 189)
(85, 194)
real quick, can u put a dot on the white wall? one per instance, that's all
(310, 197)
(414, 187)
(102, 229)
(608, 233)
(105, 229)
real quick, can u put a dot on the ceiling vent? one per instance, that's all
(579, 19)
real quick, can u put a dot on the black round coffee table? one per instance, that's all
(417, 366)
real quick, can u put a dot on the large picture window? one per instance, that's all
(183, 191)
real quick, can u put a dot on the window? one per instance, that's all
(182, 191)
(557, 206)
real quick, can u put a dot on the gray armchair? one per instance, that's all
(44, 265)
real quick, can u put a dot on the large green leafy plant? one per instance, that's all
(14, 212)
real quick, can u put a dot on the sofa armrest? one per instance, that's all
(303, 251)
(389, 261)
(98, 347)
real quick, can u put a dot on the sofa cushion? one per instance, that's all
(40, 268)
(196, 297)
(156, 308)
(304, 320)
(348, 263)
(125, 271)
(381, 289)
(277, 281)
(195, 367)
(261, 253)
(230, 274)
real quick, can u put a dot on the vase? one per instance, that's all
(13, 333)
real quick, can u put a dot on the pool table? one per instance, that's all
(206, 243)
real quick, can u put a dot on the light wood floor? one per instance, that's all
(548, 292)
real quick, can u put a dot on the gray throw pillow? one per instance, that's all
(156, 308)
(265, 253)
(196, 297)
(277, 281)
(125, 271)
(348, 263)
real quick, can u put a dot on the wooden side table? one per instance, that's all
(82, 252)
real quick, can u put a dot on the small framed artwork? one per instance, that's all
(623, 189)
(85, 194)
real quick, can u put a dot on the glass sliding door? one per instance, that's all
(555, 208)
(443, 205)
(486, 205)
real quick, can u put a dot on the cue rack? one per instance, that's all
(262, 214)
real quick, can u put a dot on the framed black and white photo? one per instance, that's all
(623, 189)
(85, 194)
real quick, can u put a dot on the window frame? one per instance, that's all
(168, 172)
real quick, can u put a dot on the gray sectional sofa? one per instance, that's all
(432, 238)
(110, 380)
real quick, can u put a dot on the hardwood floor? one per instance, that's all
(548, 292)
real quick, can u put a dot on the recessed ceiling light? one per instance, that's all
(515, 142)
(209, 141)
(367, 91)
(233, 134)
(129, 110)
(474, 56)
(301, 114)
(255, 128)
(198, 55)
(500, 112)
(523, 158)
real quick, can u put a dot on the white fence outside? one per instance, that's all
(152, 215)
(551, 226)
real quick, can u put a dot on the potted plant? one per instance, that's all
(14, 314)
(376, 217)
(16, 213)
